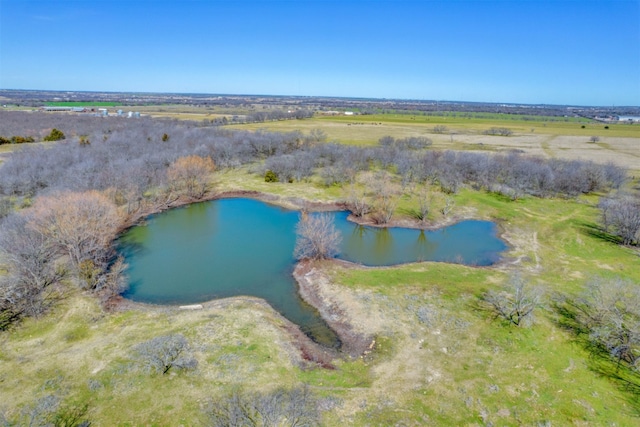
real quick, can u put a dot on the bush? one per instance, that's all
(55, 135)
(499, 131)
(270, 176)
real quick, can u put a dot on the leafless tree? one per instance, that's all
(81, 226)
(384, 193)
(609, 310)
(357, 201)
(162, 353)
(515, 304)
(29, 256)
(447, 207)
(191, 175)
(294, 408)
(317, 237)
(424, 204)
(621, 216)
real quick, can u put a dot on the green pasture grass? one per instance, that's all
(368, 129)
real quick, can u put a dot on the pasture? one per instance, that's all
(620, 143)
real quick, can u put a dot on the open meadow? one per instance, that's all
(440, 354)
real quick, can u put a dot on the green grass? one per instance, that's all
(366, 130)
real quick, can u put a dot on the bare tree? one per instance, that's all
(447, 207)
(609, 310)
(29, 256)
(385, 197)
(294, 408)
(81, 226)
(357, 201)
(162, 353)
(424, 206)
(317, 237)
(191, 175)
(517, 303)
(621, 216)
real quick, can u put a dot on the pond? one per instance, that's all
(233, 247)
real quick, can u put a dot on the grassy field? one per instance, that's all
(619, 144)
(440, 358)
(80, 104)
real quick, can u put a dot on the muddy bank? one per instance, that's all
(312, 285)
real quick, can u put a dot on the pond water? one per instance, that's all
(234, 247)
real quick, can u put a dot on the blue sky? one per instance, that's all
(553, 52)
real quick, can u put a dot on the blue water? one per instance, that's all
(234, 247)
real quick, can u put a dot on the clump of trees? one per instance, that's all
(280, 407)
(163, 353)
(620, 216)
(66, 233)
(516, 303)
(608, 313)
(16, 139)
(498, 131)
(27, 288)
(50, 410)
(191, 175)
(129, 156)
(317, 237)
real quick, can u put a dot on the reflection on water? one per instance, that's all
(237, 247)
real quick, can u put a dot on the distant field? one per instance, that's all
(80, 104)
(620, 143)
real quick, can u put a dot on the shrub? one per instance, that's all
(55, 135)
(499, 131)
(270, 176)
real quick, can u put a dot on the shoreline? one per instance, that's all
(353, 343)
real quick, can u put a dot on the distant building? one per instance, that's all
(633, 119)
(54, 108)
(348, 113)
